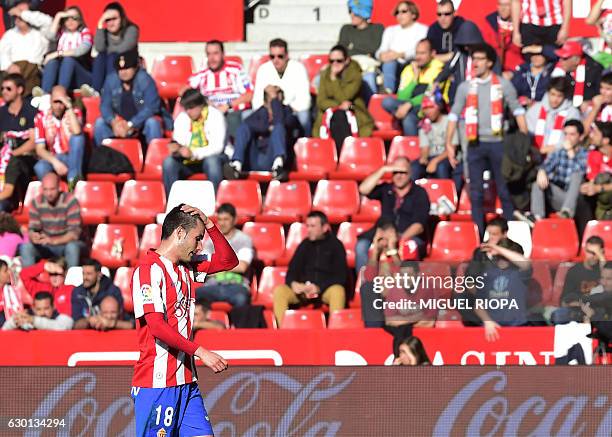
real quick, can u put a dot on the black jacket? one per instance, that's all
(443, 40)
(593, 73)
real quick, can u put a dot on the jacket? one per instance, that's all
(411, 88)
(528, 86)
(84, 301)
(509, 53)
(29, 277)
(533, 114)
(259, 122)
(593, 73)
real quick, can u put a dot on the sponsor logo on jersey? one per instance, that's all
(147, 293)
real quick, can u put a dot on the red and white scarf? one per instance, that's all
(469, 69)
(579, 77)
(497, 108)
(11, 301)
(324, 131)
(555, 134)
(605, 114)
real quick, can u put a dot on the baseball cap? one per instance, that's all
(127, 60)
(570, 48)
(428, 102)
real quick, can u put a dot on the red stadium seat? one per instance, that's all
(140, 202)
(124, 237)
(315, 159)
(271, 277)
(337, 199)
(62, 299)
(131, 148)
(157, 151)
(34, 189)
(303, 319)
(387, 126)
(449, 319)
(345, 319)
(171, 74)
(369, 210)
(404, 146)
(97, 199)
(602, 229)
(347, 234)
(268, 240)
(270, 319)
(314, 64)
(234, 58)
(554, 240)
(297, 233)
(540, 286)
(219, 316)
(256, 62)
(245, 195)
(491, 203)
(436, 188)
(151, 237)
(559, 283)
(359, 158)
(286, 202)
(123, 280)
(454, 242)
(92, 112)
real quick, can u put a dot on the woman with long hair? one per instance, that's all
(412, 353)
(10, 235)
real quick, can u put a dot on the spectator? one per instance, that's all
(341, 110)
(233, 286)
(601, 16)
(197, 143)
(264, 136)
(442, 33)
(531, 78)
(225, 84)
(600, 298)
(545, 119)
(46, 275)
(70, 64)
(581, 278)
(7, 5)
(87, 297)
(22, 48)
(130, 103)
(417, 78)
(483, 98)
(317, 271)
(10, 299)
(362, 39)
(581, 70)
(201, 320)
(497, 32)
(60, 141)
(42, 316)
(403, 203)
(54, 226)
(110, 317)
(115, 34)
(291, 76)
(602, 103)
(10, 235)
(399, 42)
(411, 353)
(536, 23)
(17, 155)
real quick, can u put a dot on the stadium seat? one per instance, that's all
(436, 188)
(256, 62)
(600, 228)
(234, 58)
(268, 240)
(140, 202)
(337, 199)
(347, 234)
(554, 240)
(157, 151)
(315, 159)
(219, 316)
(387, 126)
(97, 199)
(245, 195)
(345, 319)
(132, 149)
(123, 237)
(491, 204)
(359, 158)
(200, 194)
(270, 278)
(559, 283)
(171, 74)
(297, 233)
(404, 146)
(74, 275)
(303, 319)
(449, 319)
(314, 64)
(270, 319)
(369, 210)
(123, 280)
(286, 202)
(34, 189)
(151, 237)
(92, 112)
(540, 286)
(454, 242)
(62, 299)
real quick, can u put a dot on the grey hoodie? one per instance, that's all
(533, 114)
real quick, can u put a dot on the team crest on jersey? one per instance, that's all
(147, 293)
(182, 307)
(162, 433)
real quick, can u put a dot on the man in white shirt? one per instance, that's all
(291, 76)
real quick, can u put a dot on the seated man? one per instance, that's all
(232, 286)
(602, 103)
(109, 317)
(584, 276)
(42, 316)
(55, 269)
(197, 143)
(55, 225)
(317, 271)
(262, 139)
(60, 142)
(130, 103)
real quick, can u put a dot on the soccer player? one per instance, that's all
(166, 397)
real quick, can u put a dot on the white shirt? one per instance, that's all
(31, 47)
(214, 129)
(294, 83)
(402, 40)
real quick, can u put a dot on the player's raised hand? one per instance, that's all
(195, 211)
(212, 360)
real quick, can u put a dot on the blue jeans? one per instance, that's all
(368, 86)
(73, 159)
(173, 170)
(389, 70)
(151, 130)
(103, 65)
(236, 295)
(363, 246)
(305, 119)
(67, 72)
(71, 251)
(261, 152)
(410, 123)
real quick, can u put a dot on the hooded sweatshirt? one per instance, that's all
(533, 114)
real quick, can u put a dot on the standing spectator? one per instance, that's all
(70, 64)
(531, 78)
(34, 277)
(232, 286)
(55, 225)
(581, 278)
(342, 112)
(442, 33)
(602, 103)
(317, 271)
(498, 34)
(483, 98)
(87, 297)
(411, 353)
(225, 84)
(10, 235)
(601, 16)
(115, 34)
(536, 22)
(130, 103)
(43, 316)
(197, 143)
(110, 317)
(60, 142)
(403, 203)
(291, 76)
(17, 155)
(399, 42)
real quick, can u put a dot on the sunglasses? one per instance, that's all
(71, 17)
(277, 56)
(444, 14)
(56, 274)
(401, 11)
(336, 61)
(400, 172)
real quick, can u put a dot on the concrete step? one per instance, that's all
(301, 14)
(292, 33)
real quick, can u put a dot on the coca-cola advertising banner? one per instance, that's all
(326, 401)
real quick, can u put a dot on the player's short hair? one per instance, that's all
(320, 215)
(176, 218)
(227, 208)
(42, 295)
(278, 42)
(500, 222)
(575, 123)
(216, 42)
(92, 262)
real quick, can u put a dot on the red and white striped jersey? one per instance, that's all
(542, 12)
(159, 286)
(53, 132)
(223, 86)
(73, 40)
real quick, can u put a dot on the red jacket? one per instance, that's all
(30, 276)
(503, 45)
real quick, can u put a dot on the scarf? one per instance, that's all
(556, 132)
(324, 131)
(198, 134)
(57, 133)
(605, 114)
(471, 108)
(11, 301)
(469, 69)
(579, 76)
